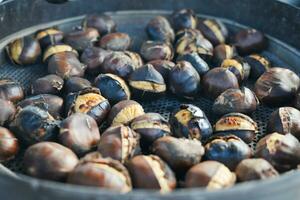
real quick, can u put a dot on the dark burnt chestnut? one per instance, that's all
(76, 84)
(210, 174)
(80, 133)
(217, 80)
(214, 30)
(156, 50)
(249, 41)
(103, 23)
(235, 100)
(163, 67)
(93, 170)
(51, 103)
(50, 84)
(49, 160)
(282, 151)
(258, 64)
(147, 83)
(189, 121)
(197, 62)
(296, 102)
(255, 169)
(238, 66)
(180, 153)
(115, 41)
(7, 112)
(135, 58)
(159, 29)
(150, 126)
(11, 91)
(112, 87)
(237, 124)
(285, 120)
(120, 143)
(9, 145)
(228, 149)
(277, 86)
(158, 174)
(57, 48)
(183, 19)
(184, 80)
(222, 52)
(88, 101)
(24, 51)
(48, 37)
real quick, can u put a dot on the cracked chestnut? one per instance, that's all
(11, 90)
(184, 19)
(9, 145)
(135, 58)
(49, 84)
(223, 52)
(115, 41)
(159, 29)
(163, 67)
(76, 84)
(197, 62)
(156, 50)
(238, 66)
(48, 37)
(103, 23)
(189, 33)
(7, 112)
(56, 49)
(259, 65)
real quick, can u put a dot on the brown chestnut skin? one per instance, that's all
(249, 41)
(24, 51)
(159, 29)
(80, 133)
(115, 41)
(211, 175)
(103, 23)
(217, 80)
(282, 151)
(228, 149)
(235, 100)
(156, 50)
(197, 62)
(11, 90)
(179, 153)
(49, 160)
(48, 37)
(255, 169)
(49, 84)
(9, 145)
(184, 81)
(163, 67)
(183, 19)
(56, 49)
(259, 65)
(124, 112)
(7, 112)
(189, 121)
(76, 84)
(222, 52)
(119, 143)
(277, 86)
(158, 174)
(136, 59)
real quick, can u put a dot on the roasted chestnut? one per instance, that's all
(156, 50)
(189, 121)
(189, 33)
(24, 51)
(235, 100)
(103, 23)
(238, 66)
(184, 80)
(115, 42)
(151, 172)
(210, 174)
(282, 151)
(180, 153)
(120, 143)
(222, 52)
(80, 133)
(258, 64)
(124, 112)
(88, 101)
(214, 30)
(197, 62)
(48, 37)
(237, 124)
(50, 84)
(49, 160)
(159, 29)
(150, 126)
(9, 145)
(147, 83)
(163, 67)
(249, 41)
(229, 150)
(183, 19)
(56, 49)
(277, 86)
(7, 112)
(135, 58)
(255, 169)
(217, 80)
(76, 84)
(11, 90)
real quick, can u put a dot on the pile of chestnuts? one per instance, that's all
(84, 122)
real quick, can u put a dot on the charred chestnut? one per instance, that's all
(115, 42)
(235, 100)
(156, 50)
(103, 23)
(222, 52)
(197, 62)
(277, 86)
(50, 84)
(7, 112)
(228, 149)
(183, 19)
(76, 84)
(48, 37)
(217, 80)
(163, 67)
(184, 80)
(255, 169)
(159, 29)
(49, 160)
(56, 49)
(11, 91)
(124, 112)
(80, 133)
(9, 145)
(158, 174)
(258, 64)
(119, 142)
(210, 174)
(112, 87)
(238, 66)
(189, 121)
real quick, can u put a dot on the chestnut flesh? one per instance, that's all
(222, 52)
(238, 66)
(9, 145)
(49, 84)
